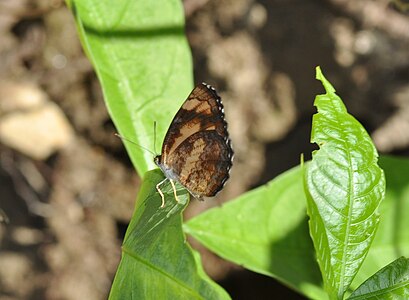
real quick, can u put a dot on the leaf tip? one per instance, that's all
(318, 73)
(320, 76)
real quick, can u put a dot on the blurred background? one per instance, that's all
(67, 187)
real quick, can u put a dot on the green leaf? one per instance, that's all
(345, 187)
(391, 241)
(392, 237)
(156, 262)
(142, 59)
(265, 230)
(391, 282)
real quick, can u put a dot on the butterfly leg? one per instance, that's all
(174, 190)
(160, 192)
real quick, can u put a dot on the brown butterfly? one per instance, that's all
(197, 150)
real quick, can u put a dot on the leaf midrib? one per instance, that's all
(346, 239)
(381, 291)
(160, 271)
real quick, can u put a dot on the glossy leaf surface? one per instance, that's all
(345, 186)
(266, 231)
(157, 263)
(391, 282)
(392, 237)
(143, 62)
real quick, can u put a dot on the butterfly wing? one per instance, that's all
(203, 162)
(197, 147)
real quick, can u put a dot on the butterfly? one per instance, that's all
(197, 151)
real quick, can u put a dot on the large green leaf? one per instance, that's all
(266, 231)
(142, 59)
(345, 187)
(392, 237)
(157, 263)
(391, 282)
(391, 241)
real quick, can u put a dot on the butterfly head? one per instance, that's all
(157, 160)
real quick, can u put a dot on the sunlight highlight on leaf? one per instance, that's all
(392, 236)
(391, 282)
(265, 230)
(156, 261)
(345, 187)
(143, 62)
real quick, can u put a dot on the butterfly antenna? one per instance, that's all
(154, 136)
(132, 142)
